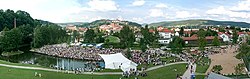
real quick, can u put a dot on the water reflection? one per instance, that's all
(53, 62)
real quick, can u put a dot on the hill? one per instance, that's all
(200, 22)
(97, 23)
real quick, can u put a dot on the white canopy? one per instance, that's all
(118, 61)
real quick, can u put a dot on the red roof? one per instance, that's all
(166, 30)
(239, 33)
(196, 38)
(220, 33)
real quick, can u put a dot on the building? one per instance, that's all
(225, 36)
(194, 39)
(165, 36)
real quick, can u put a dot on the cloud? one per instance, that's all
(226, 12)
(161, 5)
(137, 19)
(242, 6)
(101, 5)
(138, 3)
(185, 14)
(156, 13)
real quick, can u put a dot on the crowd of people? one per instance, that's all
(76, 52)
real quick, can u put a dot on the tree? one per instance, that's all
(217, 68)
(127, 37)
(239, 69)
(148, 37)
(48, 34)
(222, 30)
(181, 31)
(143, 45)
(11, 40)
(216, 41)
(75, 35)
(89, 36)
(235, 36)
(244, 51)
(177, 44)
(202, 42)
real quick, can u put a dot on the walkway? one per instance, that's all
(96, 73)
(189, 72)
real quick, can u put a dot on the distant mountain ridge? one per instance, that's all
(100, 22)
(199, 22)
(193, 22)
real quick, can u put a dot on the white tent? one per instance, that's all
(118, 61)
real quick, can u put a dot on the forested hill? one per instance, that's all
(199, 22)
(22, 18)
(97, 23)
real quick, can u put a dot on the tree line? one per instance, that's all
(28, 31)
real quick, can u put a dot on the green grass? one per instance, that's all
(168, 59)
(110, 70)
(113, 39)
(19, 64)
(145, 65)
(166, 72)
(11, 53)
(202, 68)
(200, 76)
(13, 73)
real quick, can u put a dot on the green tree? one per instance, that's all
(202, 42)
(239, 69)
(235, 36)
(89, 36)
(11, 40)
(48, 34)
(127, 37)
(143, 45)
(181, 31)
(217, 68)
(177, 45)
(216, 41)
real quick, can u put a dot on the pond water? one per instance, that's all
(52, 62)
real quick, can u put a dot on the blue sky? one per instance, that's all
(141, 11)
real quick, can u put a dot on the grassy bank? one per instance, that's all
(11, 53)
(202, 65)
(14, 73)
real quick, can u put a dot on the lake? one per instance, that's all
(52, 62)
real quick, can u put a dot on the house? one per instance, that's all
(165, 36)
(225, 36)
(138, 36)
(113, 27)
(194, 39)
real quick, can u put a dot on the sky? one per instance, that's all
(141, 11)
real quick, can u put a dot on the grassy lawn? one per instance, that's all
(202, 65)
(113, 39)
(13, 73)
(200, 76)
(166, 72)
(145, 65)
(110, 70)
(19, 64)
(168, 59)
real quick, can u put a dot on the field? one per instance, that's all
(13, 73)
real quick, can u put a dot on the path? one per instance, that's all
(96, 73)
(188, 73)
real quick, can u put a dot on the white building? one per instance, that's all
(225, 37)
(165, 36)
